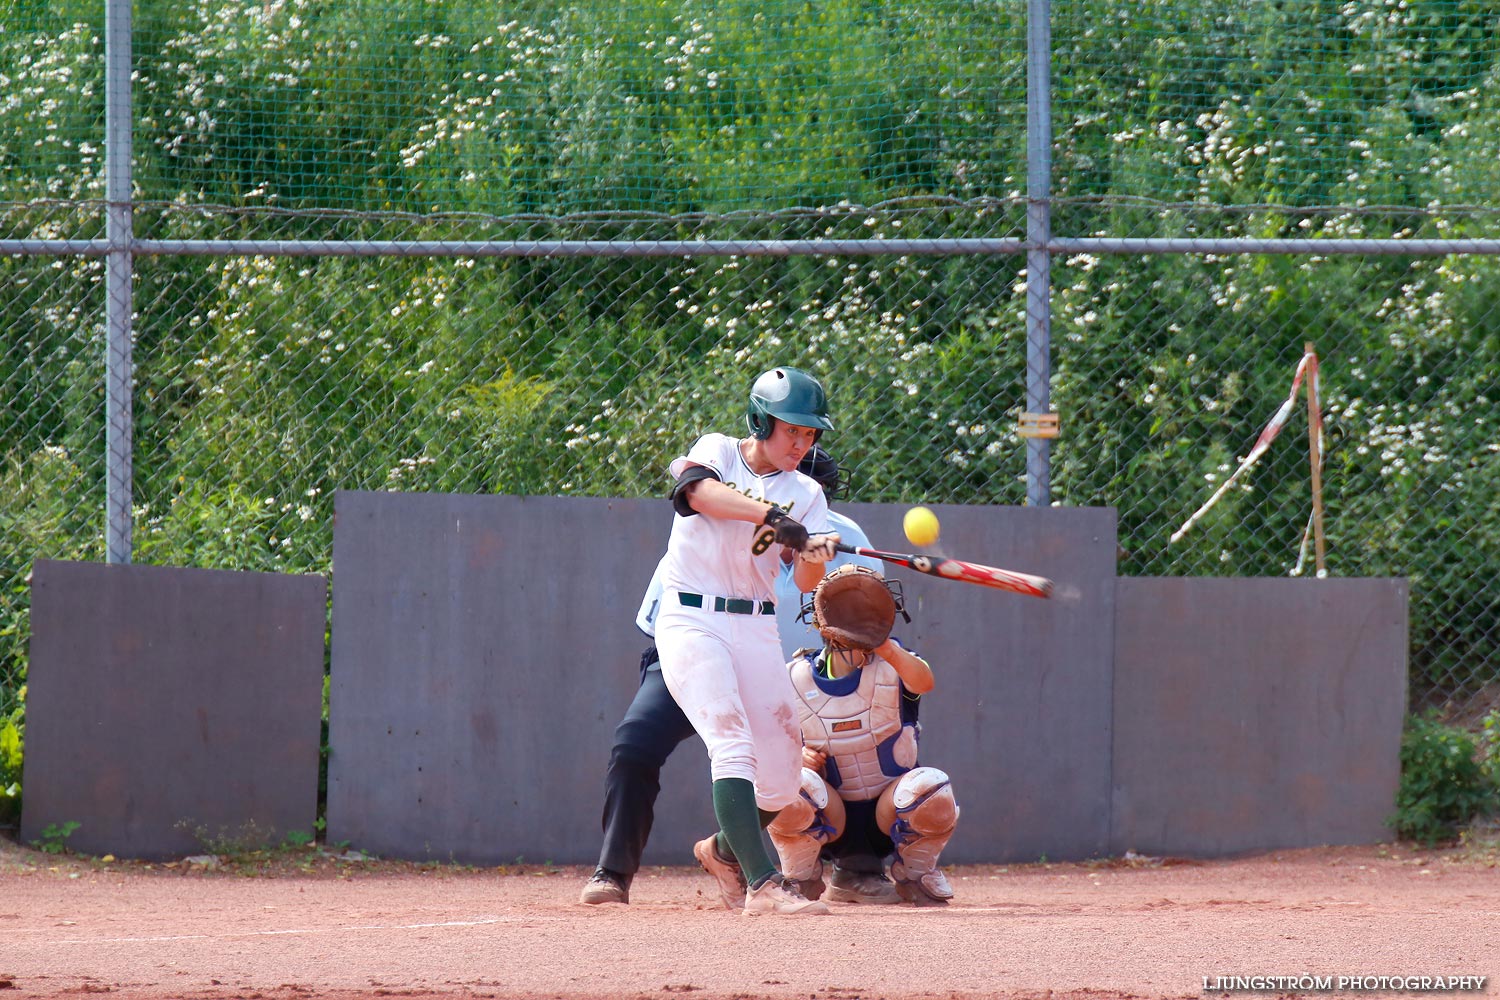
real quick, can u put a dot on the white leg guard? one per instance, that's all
(925, 816)
(801, 829)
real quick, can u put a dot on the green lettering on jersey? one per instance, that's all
(746, 493)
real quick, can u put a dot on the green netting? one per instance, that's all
(445, 107)
(51, 100)
(264, 384)
(554, 108)
(1283, 102)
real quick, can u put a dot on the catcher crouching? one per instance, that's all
(864, 798)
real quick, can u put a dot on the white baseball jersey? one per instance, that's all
(724, 668)
(736, 559)
(789, 600)
(645, 618)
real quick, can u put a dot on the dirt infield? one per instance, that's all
(322, 927)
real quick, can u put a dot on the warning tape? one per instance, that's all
(1314, 530)
(1308, 363)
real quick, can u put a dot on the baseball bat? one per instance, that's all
(958, 569)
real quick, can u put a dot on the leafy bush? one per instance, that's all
(12, 744)
(1446, 781)
(40, 520)
(54, 838)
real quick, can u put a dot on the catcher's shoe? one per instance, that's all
(861, 887)
(727, 873)
(812, 887)
(779, 894)
(928, 889)
(605, 886)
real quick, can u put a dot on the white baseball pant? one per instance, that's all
(726, 674)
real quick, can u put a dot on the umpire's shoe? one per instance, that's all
(846, 886)
(725, 872)
(779, 894)
(606, 886)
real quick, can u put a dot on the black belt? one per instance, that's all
(729, 605)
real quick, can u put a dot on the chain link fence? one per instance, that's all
(633, 139)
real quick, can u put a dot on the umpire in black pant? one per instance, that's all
(652, 728)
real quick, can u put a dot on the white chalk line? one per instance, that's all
(479, 921)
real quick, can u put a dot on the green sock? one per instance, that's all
(725, 851)
(739, 828)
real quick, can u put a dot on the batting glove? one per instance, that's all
(789, 531)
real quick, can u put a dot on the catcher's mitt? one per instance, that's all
(854, 608)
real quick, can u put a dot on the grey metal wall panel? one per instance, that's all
(1020, 717)
(484, 648)
(1253, 714)
(167, 704)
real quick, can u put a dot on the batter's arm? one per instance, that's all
(914, 671)
(712, 498)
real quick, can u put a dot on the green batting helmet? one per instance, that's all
(787, 394)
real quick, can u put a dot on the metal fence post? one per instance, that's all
(118, 374)
(1038, 235)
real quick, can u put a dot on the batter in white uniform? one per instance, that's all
(739, 502)
(653, 726)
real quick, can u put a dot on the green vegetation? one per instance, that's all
(1447, 780)
(265, 384)
(54, 837)
(246, 839)
(12, 747)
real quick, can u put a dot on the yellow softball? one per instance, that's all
(920, 525)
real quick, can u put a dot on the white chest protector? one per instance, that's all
(861, 732)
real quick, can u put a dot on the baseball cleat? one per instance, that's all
(860, 887)
(726, 873)
(928, 889)
(778, 894)
(605, 886)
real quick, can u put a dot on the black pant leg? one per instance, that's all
(652, 728)
(864, 846)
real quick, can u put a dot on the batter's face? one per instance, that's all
(787, 445)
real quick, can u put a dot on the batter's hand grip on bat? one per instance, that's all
(789, 531)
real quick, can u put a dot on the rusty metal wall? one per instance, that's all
(173, 711)
(484, 648)
(1255, 714)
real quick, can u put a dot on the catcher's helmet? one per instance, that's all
(787, 394)
(821, 466)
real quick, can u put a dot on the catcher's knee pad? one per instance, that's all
(801, 829)
(926, 816)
